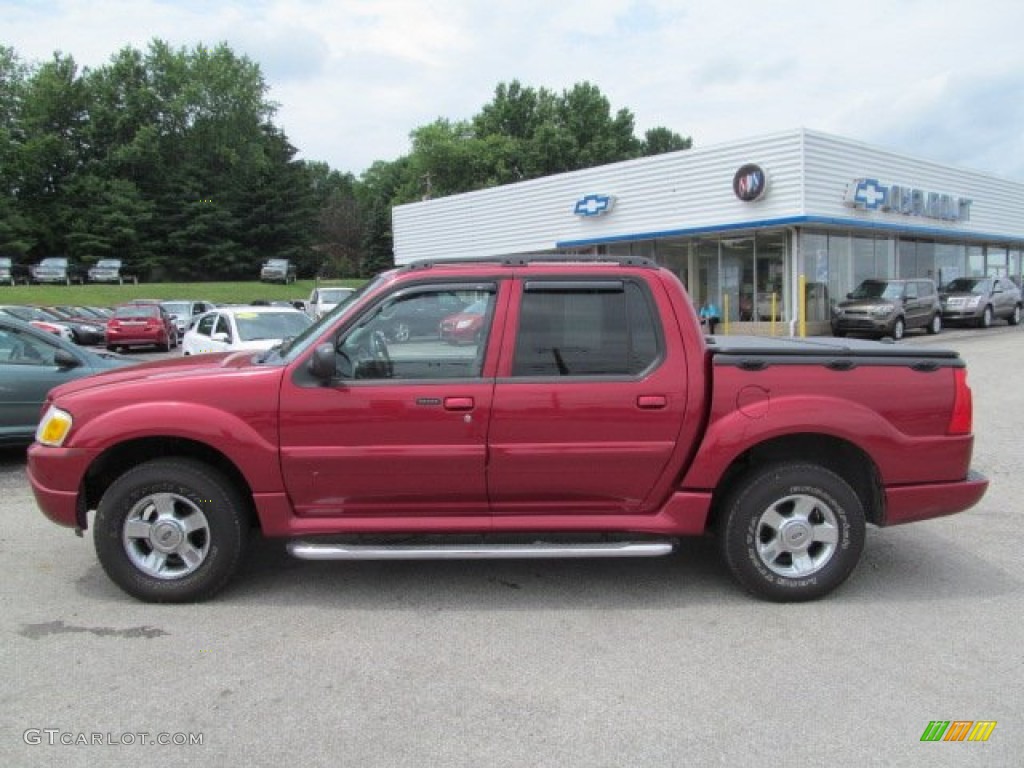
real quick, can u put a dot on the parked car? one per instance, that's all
(85, 330)
(278, 271)
(141, 325)
(31, 363)
(184, 312)
(325, 298)
(58, 269)
(467, 326)
(233, 328)
(11, 273)
(41, 319)
(882, 307)
(980, 300)
(405, 319)
(111, 271)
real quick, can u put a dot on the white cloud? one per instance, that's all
(354, 77)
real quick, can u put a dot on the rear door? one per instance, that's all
(588, 409)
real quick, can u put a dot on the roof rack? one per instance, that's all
(522, 260)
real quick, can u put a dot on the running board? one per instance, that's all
(307, 550)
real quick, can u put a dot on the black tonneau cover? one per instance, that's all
(759, 351)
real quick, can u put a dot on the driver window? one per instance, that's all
(423, 333)
(223, 326)
(21, 349)
(205, 325)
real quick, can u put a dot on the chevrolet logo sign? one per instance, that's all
(594, 205)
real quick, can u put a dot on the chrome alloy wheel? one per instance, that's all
(797, 536)
(166, 536)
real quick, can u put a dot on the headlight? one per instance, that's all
(53, 427)
(973, 302)
(881, 311)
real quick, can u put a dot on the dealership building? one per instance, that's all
(750, 225)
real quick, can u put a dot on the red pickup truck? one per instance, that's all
(585, 416)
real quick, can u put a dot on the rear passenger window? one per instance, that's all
(589, 328)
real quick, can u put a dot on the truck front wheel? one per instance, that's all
(792, 532)
(170, 531)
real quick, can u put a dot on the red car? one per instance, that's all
(465, 327)
(141, 325)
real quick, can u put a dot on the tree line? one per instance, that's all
(170, 160)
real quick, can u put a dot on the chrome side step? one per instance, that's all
(308, 550)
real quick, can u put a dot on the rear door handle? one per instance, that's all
(458, 403)
(651, 402)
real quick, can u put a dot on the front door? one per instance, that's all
(402, 428)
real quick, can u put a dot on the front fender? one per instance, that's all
(249, 443)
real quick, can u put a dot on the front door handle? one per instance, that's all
(458, 403)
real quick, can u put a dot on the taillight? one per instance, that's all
(961, 420)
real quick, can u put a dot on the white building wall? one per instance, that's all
(691, 191)
(831, 163)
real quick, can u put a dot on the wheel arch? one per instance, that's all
(119, 458)
(833, 453)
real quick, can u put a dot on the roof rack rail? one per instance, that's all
(522, 260)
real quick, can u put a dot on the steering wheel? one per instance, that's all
(379, 353)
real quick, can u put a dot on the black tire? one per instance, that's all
(898, 329)
(986, 318)
(171, 531)
(935, 326)
(791, 532)
(1014, 318)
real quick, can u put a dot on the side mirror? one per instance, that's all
(64, 359)
(223, 337)
(322, 364)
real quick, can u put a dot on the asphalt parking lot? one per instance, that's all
(606, 663)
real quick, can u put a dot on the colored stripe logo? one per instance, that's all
(958, 730)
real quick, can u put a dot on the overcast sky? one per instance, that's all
(942, 81)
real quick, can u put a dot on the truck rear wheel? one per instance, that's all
(170, 531)
(792, 532)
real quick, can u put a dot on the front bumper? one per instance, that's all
(55, 476)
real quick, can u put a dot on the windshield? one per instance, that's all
(109, 263)
(5, 262)
(136, 311)
(54, 261)
(334, 295)
(29, 313)
(877, 289)
(977, 286)
(277, 263)
(177, 307)
(255, 326)
(294, 347)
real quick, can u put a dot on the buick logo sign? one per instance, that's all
(750, 183)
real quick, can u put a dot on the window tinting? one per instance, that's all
(586, 331)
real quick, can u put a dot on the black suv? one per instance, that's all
(882, 307)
